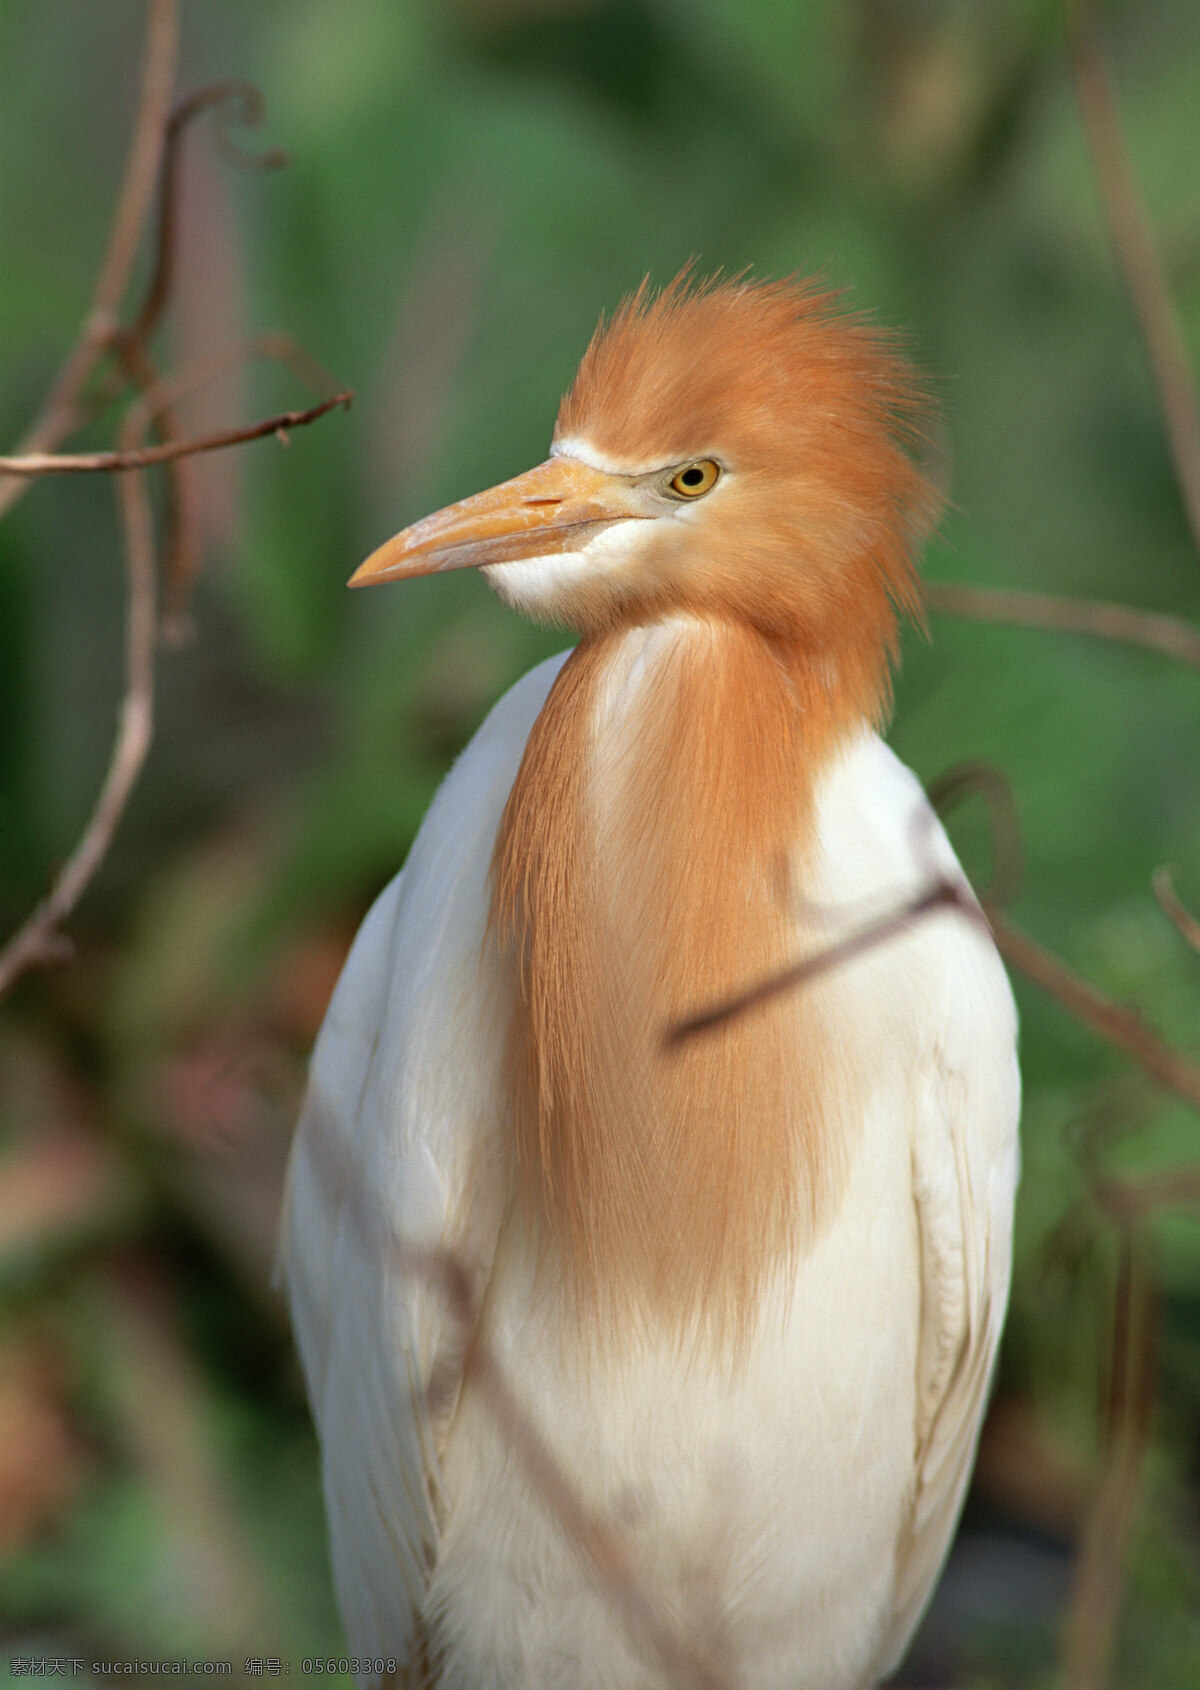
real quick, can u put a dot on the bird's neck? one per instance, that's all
(656, 845)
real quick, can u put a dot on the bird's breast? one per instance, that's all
(758, 1502)
(652, 861)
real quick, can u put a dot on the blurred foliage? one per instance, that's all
(472, 182)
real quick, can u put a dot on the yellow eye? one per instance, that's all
(694, 480)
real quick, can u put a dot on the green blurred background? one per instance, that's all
(471, 183)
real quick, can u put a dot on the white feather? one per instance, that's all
(790, 1514)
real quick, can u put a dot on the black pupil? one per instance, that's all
(692, 477)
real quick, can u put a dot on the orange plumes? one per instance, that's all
(672, 1182)
(633, 887)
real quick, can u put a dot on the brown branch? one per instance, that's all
(76, 463)
(595, 1539)
(214, 94)
(59, 413)
(600, 1544)
(1174, 910)
(1130, 1199)
(1089, 1632)
(1115, 1022)
(169, 390)
(1168, 635)
(1133, 239)
(943, 894)
(156, 403)
(251, 106)
(181, 539)
(39, 939)
(960, 782)
(181, 543)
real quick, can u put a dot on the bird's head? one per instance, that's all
(728, 449)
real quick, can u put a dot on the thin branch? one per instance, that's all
(994, 787)
(1168, 635)
(595, 1539)
(137, 193)
(1131, 1199)
(181, 542)
(75, 463)
(39, 939)
(59, 413)
(181, 545)
(250, 104)
(1137, 254)
(943, 894)
(1174, 910)
(1115, 1022)
(169, 390)
(156, 403)
(1089, 1633)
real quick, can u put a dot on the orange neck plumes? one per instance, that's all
(644, 867)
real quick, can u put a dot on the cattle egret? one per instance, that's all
(748, 1286)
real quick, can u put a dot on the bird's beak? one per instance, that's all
(556, 507)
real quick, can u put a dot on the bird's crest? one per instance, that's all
(816, 404)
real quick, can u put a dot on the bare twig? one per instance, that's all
(59, 413)
(156, 404)
(1183, 919)
(75, 463)
(1137, 254)
(595, 1539)
(242, 102)
(1166, 634)
(281, 348)
(600, 1544)
(1132, 1198)
(994, 788)
(249, 101)
(131, 344)
(181, 542)
(39, 940)
(1115, 1022)
(943, 894)
(1090, 1628)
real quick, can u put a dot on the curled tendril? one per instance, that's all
(963, 781)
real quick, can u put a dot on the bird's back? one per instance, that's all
(787, 1496)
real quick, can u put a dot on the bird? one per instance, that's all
(745, 1287)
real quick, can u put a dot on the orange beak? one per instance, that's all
(556, 507)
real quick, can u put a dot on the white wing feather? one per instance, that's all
(386, 1158)
(965, 1164)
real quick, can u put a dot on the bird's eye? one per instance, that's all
(693, 480)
